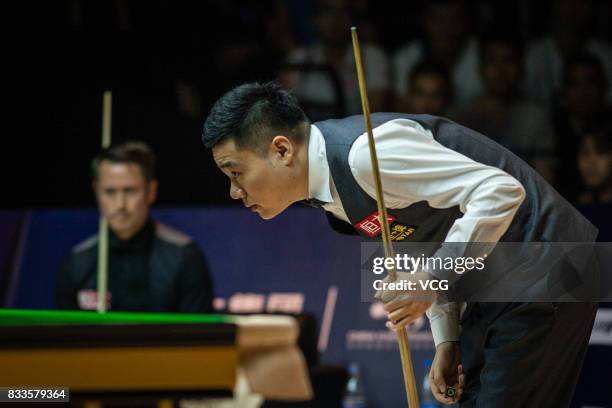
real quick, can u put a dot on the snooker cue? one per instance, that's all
(103, 226)
(402, 336)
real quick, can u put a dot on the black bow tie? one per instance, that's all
(313, 202)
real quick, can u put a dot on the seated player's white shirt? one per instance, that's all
(415, 167)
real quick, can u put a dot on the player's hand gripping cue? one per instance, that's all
(405, 306)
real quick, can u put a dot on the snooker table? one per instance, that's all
(154, 354)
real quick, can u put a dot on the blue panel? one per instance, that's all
(11, 222)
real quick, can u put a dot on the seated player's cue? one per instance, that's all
(103, 226)
(402, 337)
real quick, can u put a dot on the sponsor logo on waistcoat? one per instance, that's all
(370, 226)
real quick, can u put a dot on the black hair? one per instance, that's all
(252, 113)
(127, 152)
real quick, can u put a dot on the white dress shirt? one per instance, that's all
(415, 167)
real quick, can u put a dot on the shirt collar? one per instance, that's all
(139, 242)
(318, 169)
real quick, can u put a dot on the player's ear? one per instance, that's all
(152, 191)
(283, 148)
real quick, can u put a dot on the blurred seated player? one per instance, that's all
(430, 92)
(152, 267)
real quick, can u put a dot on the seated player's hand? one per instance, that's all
(446, 371)
(405, 306)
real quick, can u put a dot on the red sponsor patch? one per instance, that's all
(370, 224)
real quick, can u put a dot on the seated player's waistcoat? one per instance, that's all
(543, 216)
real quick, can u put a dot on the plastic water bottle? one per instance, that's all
(427, 398)
(353, 394)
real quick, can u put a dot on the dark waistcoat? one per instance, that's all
(543, 216)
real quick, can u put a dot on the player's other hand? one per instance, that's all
(405, 306)
(446, 370)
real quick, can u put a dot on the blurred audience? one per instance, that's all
(167, 62)
(151, 267)
(323, 75)
(250, 39)
(448, 41)
(430, 92)
(583, 98)
(594, 163)
(570, 35)
(581, 107)
(502, 113)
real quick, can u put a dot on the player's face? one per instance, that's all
(124, 196)
(265, 183)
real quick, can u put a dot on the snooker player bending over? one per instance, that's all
(452, 185)
(151, 266)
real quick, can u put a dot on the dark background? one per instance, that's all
(59, 56)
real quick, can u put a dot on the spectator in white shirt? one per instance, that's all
(323, 75)
(447, 40)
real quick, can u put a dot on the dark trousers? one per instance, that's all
(523, 354)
